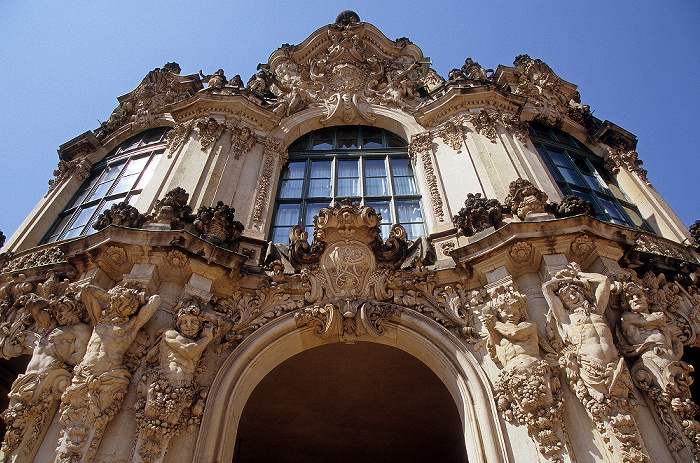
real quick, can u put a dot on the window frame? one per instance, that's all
(302, 150)
(548, 140)
(134, 149)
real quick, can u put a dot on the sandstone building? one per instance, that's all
(351, 258)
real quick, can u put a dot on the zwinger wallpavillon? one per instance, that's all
(351, 258)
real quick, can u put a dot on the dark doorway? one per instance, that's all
(350, 403)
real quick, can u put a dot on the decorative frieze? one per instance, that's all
(44, 256)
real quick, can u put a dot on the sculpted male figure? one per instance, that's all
(596, 372)
(526, 390)
(34, 395)
(168, 391)
(101, 379)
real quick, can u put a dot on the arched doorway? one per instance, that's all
(350, 402)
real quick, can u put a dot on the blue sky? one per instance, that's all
(635, 63)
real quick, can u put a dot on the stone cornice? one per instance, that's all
(461, 99)
(236, 107)
(79, 147)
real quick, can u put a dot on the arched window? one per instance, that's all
(364, 164)
(120, 176)
(580, 172)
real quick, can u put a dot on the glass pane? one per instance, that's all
(570, 176)
(376, 186)
(382, 208)
(414, 230)
(124, 184)
(593, 182)
(385, 229)
(72, 233)
(559, 158)
(312, 210)
(612, 209)
(281, 235)
(132, 199)
(59, 228)
(101, 190)
(152, 136)
(293, 170)
(320, 187)
(347, 169)
(405, 186)
(582, 165)
(301, 144)
(130, 143)
(372, 143)
(79, 199)
(409, 211)
(323, 140)
(84, 216)
(148, 174)
(371, 137)
(347, 143)
(394, 142)
(135, 166)
(401, 167)
(553, 170)
(287, 214)
(111, 172)
(321, 169)
(375, 168)
(348, 187)
(291, 189)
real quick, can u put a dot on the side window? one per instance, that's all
(578, 171)
(364, 164)
(120, 176)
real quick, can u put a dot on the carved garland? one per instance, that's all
(273, 150)
(422, 144)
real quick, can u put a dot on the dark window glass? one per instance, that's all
(120, 176)
(364, 164)
(578, 171)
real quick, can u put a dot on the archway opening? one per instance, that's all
(347, 403)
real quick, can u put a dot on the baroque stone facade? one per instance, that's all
(556, 335)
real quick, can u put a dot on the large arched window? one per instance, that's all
(364, 164)
(120, 176)
(578, 171)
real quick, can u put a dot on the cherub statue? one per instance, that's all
(100, 380)
(168, 392)
(527, 392)
(35, 395)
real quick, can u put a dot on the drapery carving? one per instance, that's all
(595, 371)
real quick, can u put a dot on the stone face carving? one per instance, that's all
(595, 371)
(170, 400)
(537, 81)
(66, 169)
(209, 131)
(452, 134)
(101, 378)
(173, 209)
(345, 77)
(35, 394)
(120, 214)
(242, 140)
(177, 136)
(527, 390)
(627, 159)
(573, 205)
(478, 214)
(525, 199)
(217, 224)
(485, 124)
(645, 338)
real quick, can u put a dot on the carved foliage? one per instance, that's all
(478, 214)
(44, 256)
(627, 159)
(120, 214)
(485, 124)
(274, 153)
(173, 209)
(217, 224)
(573, 205)
(421, 145)
(80, 168)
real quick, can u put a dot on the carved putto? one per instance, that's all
(209, 131)
(478, 214)
(525, 199)
(217, 224)
(120, 214)
(527, 390)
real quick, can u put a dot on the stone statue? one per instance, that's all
(474, 71)
(596, 372)
(526, 390)
(35, 395)
(100, 380)
(644, 337)
(214, 81)
(169, 390)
